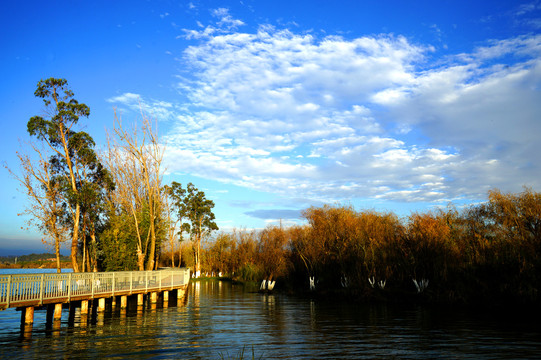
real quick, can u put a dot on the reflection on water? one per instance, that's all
(219, 319)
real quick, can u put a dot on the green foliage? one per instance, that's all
(178, 199)
(198, 209)
(118, 244)
(67, 112)
(199, 212)
(249, 272)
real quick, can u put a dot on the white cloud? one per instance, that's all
(339, 119)
(225, 24)
(156, 109)
(527, 8)
(226, 20)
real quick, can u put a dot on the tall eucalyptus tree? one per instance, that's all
(175, 201)
(73, 159)
(199, 212)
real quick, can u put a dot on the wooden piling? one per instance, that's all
(123, 302)
(50, 313)
(71, 314)
(57, 312)
(84, 307)
(166, 299)
(180, 294)
(27, 315)
(101, 305)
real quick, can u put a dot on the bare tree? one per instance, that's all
(134, 159)
(45, 198)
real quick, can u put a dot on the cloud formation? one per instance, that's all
(336, 119)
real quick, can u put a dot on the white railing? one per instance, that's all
(23, 288)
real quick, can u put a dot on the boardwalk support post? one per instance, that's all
(27, 315)
(180, 294)
(101, 305)
(57, 312)
(84, 307)
(165, 298)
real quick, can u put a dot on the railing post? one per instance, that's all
(69, 287)
(41, 290)
(146, 281)
(113, 289)
(9, 290)
(93, 277)
(131, 281)
(172, 278)
(160, 275)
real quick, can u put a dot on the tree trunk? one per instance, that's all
(67, 158)
(140, 259)
(94, 252)
(57, 253)
(75, 240)
(151, 192)
(198, 252)
(172, 244)
(198, 263)
(84, 257)
(152, 254)
(88, 256)
(180, 255)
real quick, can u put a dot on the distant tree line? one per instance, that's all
(111, 207)
(490, 251)
(31, 257)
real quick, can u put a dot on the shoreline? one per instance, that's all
(429, 299)
(35, 265)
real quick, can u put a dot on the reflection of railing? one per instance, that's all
(20, 289)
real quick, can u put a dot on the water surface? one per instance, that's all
(219, 319)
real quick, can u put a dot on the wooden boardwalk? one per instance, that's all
(27, 291)
(21, 290)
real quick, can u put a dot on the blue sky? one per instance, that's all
(274, 106)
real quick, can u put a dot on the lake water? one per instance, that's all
(219, 320)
